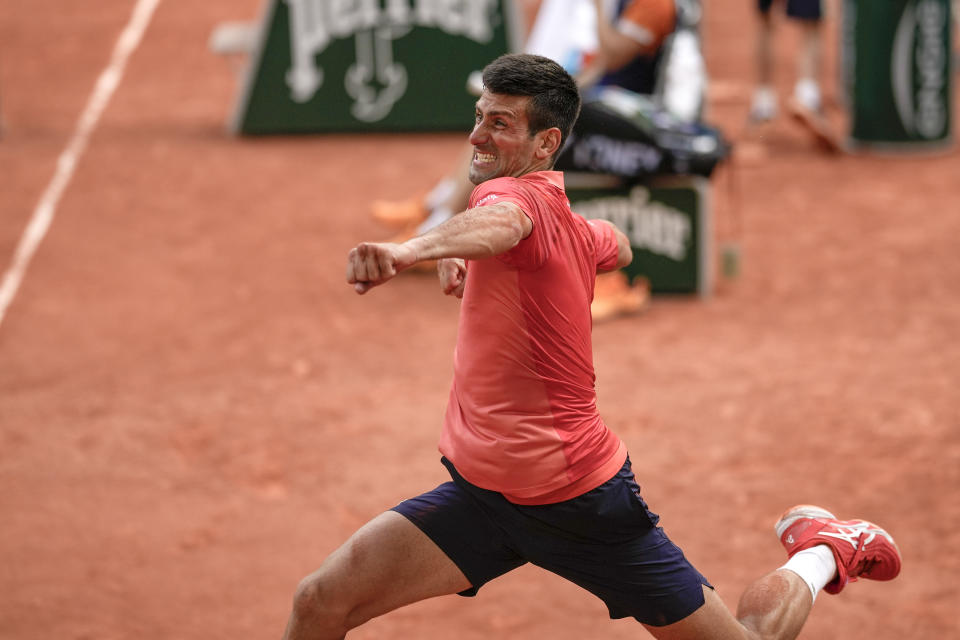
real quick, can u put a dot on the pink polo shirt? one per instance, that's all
(522, 417)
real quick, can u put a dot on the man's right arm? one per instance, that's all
(482, 232)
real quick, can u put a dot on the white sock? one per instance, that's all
(816, 566)
(439, 194)
(764, 104)
(807, 93)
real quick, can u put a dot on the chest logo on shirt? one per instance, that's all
(484, 200)
(375, 80)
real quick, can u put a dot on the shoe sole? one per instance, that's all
(799, 512)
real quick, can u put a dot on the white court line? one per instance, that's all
(43, 215)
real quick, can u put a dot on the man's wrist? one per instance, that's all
(420, 248)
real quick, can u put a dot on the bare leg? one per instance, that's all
(459, 185)
(807, 89)
(772, 608)
(386, 564)
(763, 54)
(810, 60)
(764, 103)
(455, 190)
(447, 197)
(776, 605)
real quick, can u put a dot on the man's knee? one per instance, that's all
(333, 597)
(318, 605)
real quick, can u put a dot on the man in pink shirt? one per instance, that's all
(522, 418)
(536, 476)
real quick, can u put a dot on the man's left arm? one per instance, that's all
(624, 251)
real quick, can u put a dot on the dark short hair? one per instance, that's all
(555, 97)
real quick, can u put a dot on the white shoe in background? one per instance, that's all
(807, 93)
(763, 107)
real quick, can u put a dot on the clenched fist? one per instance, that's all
(372, 263)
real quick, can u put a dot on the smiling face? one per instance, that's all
(501, 139)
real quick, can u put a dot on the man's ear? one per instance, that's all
(549, 142)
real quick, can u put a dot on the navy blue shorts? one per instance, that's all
(800, 9)
(606, 540)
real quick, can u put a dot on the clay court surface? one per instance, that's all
(195, 408)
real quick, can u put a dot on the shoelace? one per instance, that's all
(862, 564)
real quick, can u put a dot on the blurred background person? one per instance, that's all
(808, 15)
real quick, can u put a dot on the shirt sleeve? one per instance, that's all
(532, 251)
(605, 241)
(648, 22)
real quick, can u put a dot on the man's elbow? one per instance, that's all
(624, 255)
(624, 250)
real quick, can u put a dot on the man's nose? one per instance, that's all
(479, 134)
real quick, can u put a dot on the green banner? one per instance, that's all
(668, 223)
(370, 65)
(897, 58)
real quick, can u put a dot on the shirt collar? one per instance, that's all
(550, 177)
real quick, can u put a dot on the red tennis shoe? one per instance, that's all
(861, 548)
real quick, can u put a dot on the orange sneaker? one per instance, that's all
(399, 214)
(613, 296)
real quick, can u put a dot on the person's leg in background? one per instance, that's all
(451, 194)
(448, 196)
(764, 104)
(809, 16)
(806, 104)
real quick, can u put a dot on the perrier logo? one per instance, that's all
(375, 80)
(649, 224)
